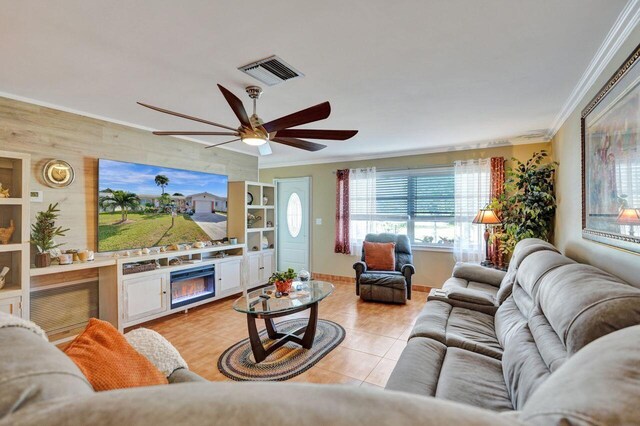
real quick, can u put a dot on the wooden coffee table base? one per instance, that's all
(259, 351)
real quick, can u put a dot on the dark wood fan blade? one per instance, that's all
(221, 143)
(188, 117)
(236, 105)
(309, 115)
(188, 133)
(299, 143)
(336, 135)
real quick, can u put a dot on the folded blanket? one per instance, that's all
(156, 349)
(8, 320)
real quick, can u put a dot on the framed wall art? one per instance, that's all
(611, 160)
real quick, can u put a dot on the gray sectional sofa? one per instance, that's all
(499, 360)
(561, 350)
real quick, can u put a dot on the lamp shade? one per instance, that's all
(629, 217)
(486, 217)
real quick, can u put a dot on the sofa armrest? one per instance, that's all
(182, 375)
(471, 296)
(472, 272)
(226, 403)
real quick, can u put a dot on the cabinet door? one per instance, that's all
(11, 305)
(254, 270)
(229, 276)
(267, 267)
(144, 296)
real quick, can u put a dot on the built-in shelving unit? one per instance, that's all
(14, 176)
(259, 200)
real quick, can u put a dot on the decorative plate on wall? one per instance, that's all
(58, 174)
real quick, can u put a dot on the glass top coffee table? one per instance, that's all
(263, 304)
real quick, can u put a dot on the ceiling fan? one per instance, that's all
(253, 131)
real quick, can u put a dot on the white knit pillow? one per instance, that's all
(156, 349)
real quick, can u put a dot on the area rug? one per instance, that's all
(238, 363)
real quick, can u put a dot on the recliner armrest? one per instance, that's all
(472, 272)
(471, 296)
(360, 267)
(408, 268)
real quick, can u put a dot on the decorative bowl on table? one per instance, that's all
(283, 286)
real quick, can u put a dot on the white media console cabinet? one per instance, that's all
(200, 276)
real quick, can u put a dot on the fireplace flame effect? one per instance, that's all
(188, 289)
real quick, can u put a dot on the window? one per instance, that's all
(294, 215)
(419, 203)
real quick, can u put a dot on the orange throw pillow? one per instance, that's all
(108, 361)
(380, 256)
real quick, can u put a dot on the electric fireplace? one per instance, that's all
(192, 285)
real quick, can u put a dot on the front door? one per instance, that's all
(292, 223)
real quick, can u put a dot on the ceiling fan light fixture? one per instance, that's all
(254, 141)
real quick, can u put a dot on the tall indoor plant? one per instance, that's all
(528, 204)
(43, 231)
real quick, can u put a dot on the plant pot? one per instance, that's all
(283, 286)
(42, 260)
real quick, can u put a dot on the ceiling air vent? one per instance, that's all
(271, 71)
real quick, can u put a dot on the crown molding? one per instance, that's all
(109, 120)
(433, 150)
(625, 23)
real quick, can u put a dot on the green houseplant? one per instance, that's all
(43, 231)
(283, 280)
(528, 204)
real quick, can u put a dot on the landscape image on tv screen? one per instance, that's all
(149, 206)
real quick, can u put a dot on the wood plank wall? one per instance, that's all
(47, 133)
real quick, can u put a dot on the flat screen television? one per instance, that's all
(140, 205)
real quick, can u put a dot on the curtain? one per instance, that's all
(497, 189)
(362, 206)
(472, 182)
(342, 244)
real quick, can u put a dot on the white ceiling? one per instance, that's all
(412, 76)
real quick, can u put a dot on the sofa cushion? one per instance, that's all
(530, 273)
(458, 327)
(523, 249)
(418, 368)
(380, 256)
(523, 367)
(33, 370)
(599, 385)
(473, 379)
(582, 303)
(507, 320)
(432, 321)
(108, 361)
(473, 331)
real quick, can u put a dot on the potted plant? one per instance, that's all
(43, 232)
(528, 204)
(283, 280)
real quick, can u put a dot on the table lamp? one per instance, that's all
(486, 217)
(630, 217)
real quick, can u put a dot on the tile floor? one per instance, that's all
(376, 333)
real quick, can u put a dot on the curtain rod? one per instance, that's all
(397, 169)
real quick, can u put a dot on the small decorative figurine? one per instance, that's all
(6, 233)
(4, 192)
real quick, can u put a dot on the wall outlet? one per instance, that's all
(318, 221)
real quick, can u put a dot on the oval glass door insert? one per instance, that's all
(294, 215)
